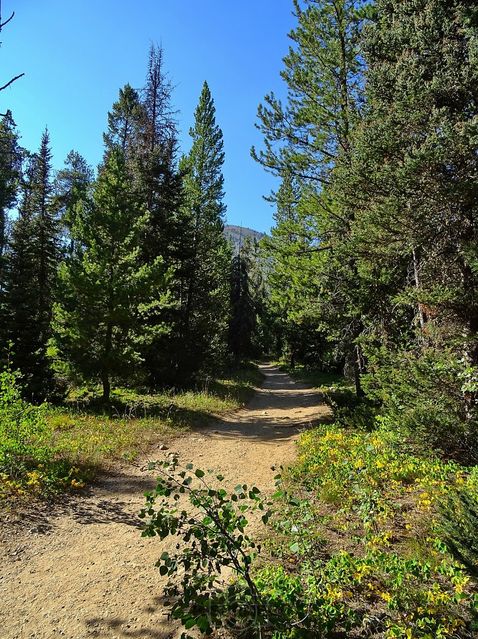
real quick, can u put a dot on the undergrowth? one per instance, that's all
(369, 537)
(47, 449)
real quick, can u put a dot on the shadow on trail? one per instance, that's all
(119, 628)
(279, 410)
(123, 627)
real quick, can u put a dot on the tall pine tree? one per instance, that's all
(32, 264)
(306, 138)
(416, 232)
(205, 269)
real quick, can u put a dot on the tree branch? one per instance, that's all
(11, 81)
(2, 24)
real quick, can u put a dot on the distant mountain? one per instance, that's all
(237, 235)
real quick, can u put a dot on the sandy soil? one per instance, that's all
(83, 570)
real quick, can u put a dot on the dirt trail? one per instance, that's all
(86, 572)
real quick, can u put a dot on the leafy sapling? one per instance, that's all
(210, 583)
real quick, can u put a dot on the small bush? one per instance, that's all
(423, 396)
(214, 539)
(23, 429)
(459, 526)
(28, 463)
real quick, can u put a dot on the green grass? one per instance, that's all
(83, 435)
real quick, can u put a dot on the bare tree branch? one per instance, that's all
(2, 24)
(11, 81)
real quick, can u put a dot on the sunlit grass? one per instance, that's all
(85, 435)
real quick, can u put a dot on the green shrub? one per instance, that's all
(423, 396)
(459, 526)
(214, 538)
(23, 429)
(29, 464)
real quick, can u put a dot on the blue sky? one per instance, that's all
(76, 54)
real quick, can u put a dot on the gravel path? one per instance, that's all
(84, 571)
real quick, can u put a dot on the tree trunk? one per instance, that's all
(105, 372)
(416, 275)
(105, 380)
(357, 367)
(354, 369)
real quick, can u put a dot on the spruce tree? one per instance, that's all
(243, 318)
(107, 292)
(32, 264)
(73, 185)
(205, 269)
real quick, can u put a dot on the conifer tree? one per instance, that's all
(73, 185)
(107, 293)
(20, 310)
(10, 173)
(125, 123)
(205, 271)
(413, 168)
(243, 318)
(418, 144)
(308, 137)
(47, 237)
(159, 182)
(295, 261)
(31, 275)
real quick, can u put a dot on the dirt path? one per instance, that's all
(86, 572)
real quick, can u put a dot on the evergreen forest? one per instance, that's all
(126, 314)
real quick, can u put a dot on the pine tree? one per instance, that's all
(415, 231)
(160, 126)
(107, 293)
(307, 138)
(418, 144)
(323, 73)
(205, 270)
(295, 261)
(10, 173)
(21, 298)
(32, 264)
(159, 183)
(160, 180)
(47, 238)
(72, 189)
(243, 317)
(125, 123)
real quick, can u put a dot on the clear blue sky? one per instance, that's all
(76, 54)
